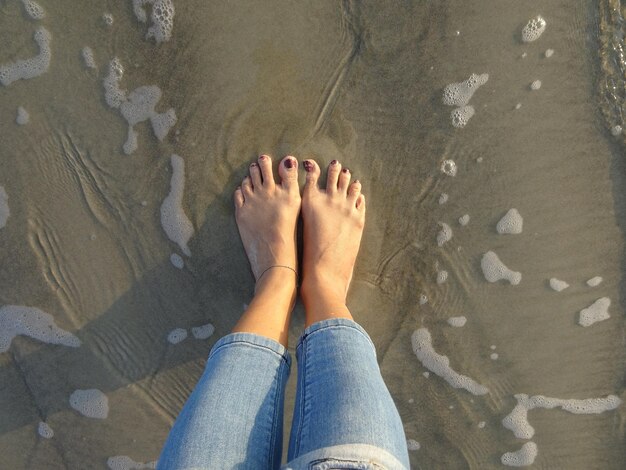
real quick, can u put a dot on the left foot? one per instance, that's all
(266, 213)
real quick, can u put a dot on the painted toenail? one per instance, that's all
(308, 166)
(262, 157)
(253, 164)
(357, 182)
(289, 163)
(334, 162)
(346, 170)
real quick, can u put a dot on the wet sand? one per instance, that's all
(357, 82)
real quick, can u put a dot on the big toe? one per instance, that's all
(288, 171)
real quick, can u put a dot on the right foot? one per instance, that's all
(333, 218)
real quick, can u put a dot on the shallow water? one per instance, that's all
(362, 83)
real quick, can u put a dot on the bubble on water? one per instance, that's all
(4, 207)
(448, 167)
(22, 116)
(177, 261)
(412, 445)
(131, 143)
(25, 69)
(107, 18)
(521, 458)
(442, 276)
(533, 29)
(203, 332)
(457, 322)
(594, 281)
(616, 130)
(426, 374)
(33, 9)
(174, 221)
(512, 223)
(411, 400)
(461, 116)
(423, 299)
(45, 431)
(113, 94)
(494, 356)
(443, 198)
(421, 342)
(88, 58)
(91, 403)
(495, 270)
(464, 220)
(123, 462)
(177, 335)
(444, 235)
(524, 54)
(144, 203)
(535, 85)
(479, 160)
(162, 18)
(30, 321)
(481, 424)
(518, 105)
(549, 53)
(492, 347)
(92, 236)
(459, 94)
(557, 284)
(598, 311)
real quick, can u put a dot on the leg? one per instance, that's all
(234, 417)
(343, 409)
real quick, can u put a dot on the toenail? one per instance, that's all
(334, 162)
(346, 170)
(262, 157)
(308, 166)
(357, 182)
(289, 163)
(253, 164)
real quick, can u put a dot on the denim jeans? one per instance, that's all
(344, 416)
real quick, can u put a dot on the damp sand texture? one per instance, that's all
(121, 265)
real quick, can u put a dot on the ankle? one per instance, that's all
(323, 299)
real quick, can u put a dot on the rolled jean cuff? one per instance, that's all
(334, 323)
(252, 340)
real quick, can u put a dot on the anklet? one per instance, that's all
(279, 266)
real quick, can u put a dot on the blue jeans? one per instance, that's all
(344, 416)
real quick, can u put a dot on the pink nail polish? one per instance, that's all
(308, 166)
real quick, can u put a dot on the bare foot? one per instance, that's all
(266, 214)
(333, 218)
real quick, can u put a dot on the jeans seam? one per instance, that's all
(302, 400)
(254, 345)
(275, 418)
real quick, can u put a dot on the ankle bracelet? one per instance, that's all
(278, 266)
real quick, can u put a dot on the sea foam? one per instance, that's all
(175, 223)
(123, 462)
(494, 270)
(512, 223)
(162, 18)
(91, 403)
(4, 207)
(597, 311)
(521, 458)
(25, 69)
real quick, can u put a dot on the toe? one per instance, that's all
(238, 196)
(344, 180)
(312, 175)
(354, 191)
(360, 203)
(333, 176)
(288, 171)
(246, 187)
(265, 164)
(255, 174)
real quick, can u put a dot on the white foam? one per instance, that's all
(448, 167)
(518, 105)
(594, 281)
(598, 311)
(461, 116)
(123, 462)
(33, 9)
(162, 123)
(426, 374)
(492, 347)
(177, 335)
(203, 332)
(423, 299)
(25, 69)
(88, 57)
(495, 270)
(533, 29)
(616, 130)
(177, 261)
(549, 53)
(521, 458)
(494, 356)
(175, 223)
(4, 207)
(512, 223)
(131, 143)
(442, 276)
(440, 365)
(44, 430)
(535, 85)
(517, 419)
(113, 94)
(558, 285)
(30, 321)
(459, 94)
(457, 322)
(162, 18)
(412, 444)
(481, 424)
(464, 220)
(444, 235)
(108, 19)
(91, 403)
(22, 116)
(443, 198)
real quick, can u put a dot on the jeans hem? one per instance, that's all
(334, 323)
(255, 340)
